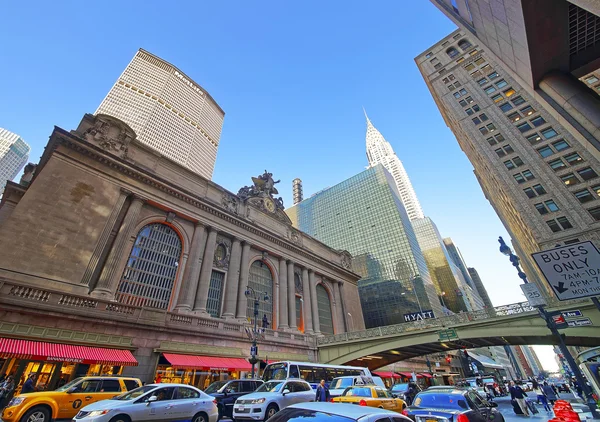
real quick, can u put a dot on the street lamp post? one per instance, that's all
(514, 259)
(250, 293)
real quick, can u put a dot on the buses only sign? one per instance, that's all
(572, 271)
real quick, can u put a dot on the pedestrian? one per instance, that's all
(517, 394)
(555, 390)
(6, 389)
(549, 392)
(541, 397)
(29, 385)
(411, 393)
(322, 392)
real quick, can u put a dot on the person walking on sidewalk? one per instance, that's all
(549, 392)
(541, 397)
(517, 394)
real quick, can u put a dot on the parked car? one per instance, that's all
(271, 397)
(65, 402)
(401, 390)
(330, 412)
(227, 392)
(372, 396)
(339, 384)
(453, 405)
(158, 402)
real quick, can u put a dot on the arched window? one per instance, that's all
(452, 52)
(151, 269)
(261, 280)
(464, 44)
(298, 298)
(324, 306)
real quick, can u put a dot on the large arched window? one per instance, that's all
(464, 44)
(298, 302)
(151, 269)
(452, 52)
(261, 280)
(324, 306)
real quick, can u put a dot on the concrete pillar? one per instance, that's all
(111, 273)
(306, 303)
(341, 307)
(283, 295)
(206, 271)
(185, 301)
(313, 299)
(242, 302)
(233, 279)
(291, 295)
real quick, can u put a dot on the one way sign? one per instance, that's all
(572, 271)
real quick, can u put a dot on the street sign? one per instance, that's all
(533, 295)
(572, 314)
(447, 334)
(253, 350)
(581, 322)
(572, 271)
(558, 319)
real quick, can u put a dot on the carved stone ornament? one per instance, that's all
(298, 282)
(230, 203)
(296, 237)
(109, 133)
(346, 260)
(222, 253)
(260, 195)
(170, 217)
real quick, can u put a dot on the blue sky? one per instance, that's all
(292, 77)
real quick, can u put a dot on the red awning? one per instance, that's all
(207, 362)
(426, 375)
(37, 350)
(405, 374)
(386, 374)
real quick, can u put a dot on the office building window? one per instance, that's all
(569, 179)
(463, 103)
(479, 61)
(564, 223)
(557, 164)
(469, 67)
(491, 141)
(505, 107)
(469, 111)
(456, 95)
(535, 138)
(497, 98)
(491, 127)
(483, 117)
(490, 89)
(524, 127)
(560, 145)
(215, 292)
(500, 152)
(584, 196)
(519, 178)
(537, 121)
(571, 241)
(529, 192)
(528, 110)
(595, 213)
(493, 75)
(324, 307)
(528, 175)
(484, 130)
(517, 100)
(596, 189)
(482, 81)
(476, 120)
(508, 149)
(573, 159)
(509, 92)
(587, 173)
(452, 52)
(541, 208)
(464, 44)
(518, 162)
(469, 100)
(549, 133)
(437, 66)
(428, 55)
(501, 83)
(545, 151)
(539, 189)
(509, 164)
(514, 117)
(554, 226)
(551, 205)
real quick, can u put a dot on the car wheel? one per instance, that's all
(121, 418)
(200, 417)
(37, 414)
(271, 410)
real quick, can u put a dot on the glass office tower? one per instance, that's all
(365, 216)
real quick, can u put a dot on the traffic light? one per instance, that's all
(448, 359)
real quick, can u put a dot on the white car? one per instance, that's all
(153, 402)
(270, 398)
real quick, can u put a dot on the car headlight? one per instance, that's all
(16, 401)
(258, 401)
(97, 413)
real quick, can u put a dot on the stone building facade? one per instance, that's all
(112, 245)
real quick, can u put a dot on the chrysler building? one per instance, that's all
(379, 151)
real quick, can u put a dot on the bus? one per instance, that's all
(311, 372)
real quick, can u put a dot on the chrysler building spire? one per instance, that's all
(379, 151)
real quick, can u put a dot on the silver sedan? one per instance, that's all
(153, 402)
(336, 412)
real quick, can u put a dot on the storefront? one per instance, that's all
(389, 378)
(56, 364)
(200, 371)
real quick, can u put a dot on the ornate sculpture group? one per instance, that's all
(263, 187)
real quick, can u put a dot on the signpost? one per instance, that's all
(572, 271)
(533, 295)
(572, 313)
(447, 335)
(581, 322)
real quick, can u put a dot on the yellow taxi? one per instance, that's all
(372, 396)
(65, 402)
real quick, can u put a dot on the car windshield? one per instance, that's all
(400, 387)
(215, 386)
(270, 387)
(277, 371)
(69, 384)
(340, 383)
(358, 392)
(303, 415)
(134, 394)
(440, 400)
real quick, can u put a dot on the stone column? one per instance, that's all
(242, 302)
(306, 304)
(291, 295)
(111, 274)
(341, 308)
(283, 295)
(205, 271)
(108, 232)
(187, 294)
(313, 299)
(233, 279)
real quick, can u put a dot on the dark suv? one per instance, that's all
(226, 392)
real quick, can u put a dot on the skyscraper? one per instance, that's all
(14, 153)
(168, 111)
(539, 177)
(379, 151)
(480, 287)
(364, 215)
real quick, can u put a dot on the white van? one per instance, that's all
(338, 385)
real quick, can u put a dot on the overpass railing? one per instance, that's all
(445, 321)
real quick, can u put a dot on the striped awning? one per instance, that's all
(207, 362)
(37, 350)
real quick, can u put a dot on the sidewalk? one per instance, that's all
(505, 407)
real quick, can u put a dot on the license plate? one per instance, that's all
(241, 408)
(431, 420)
